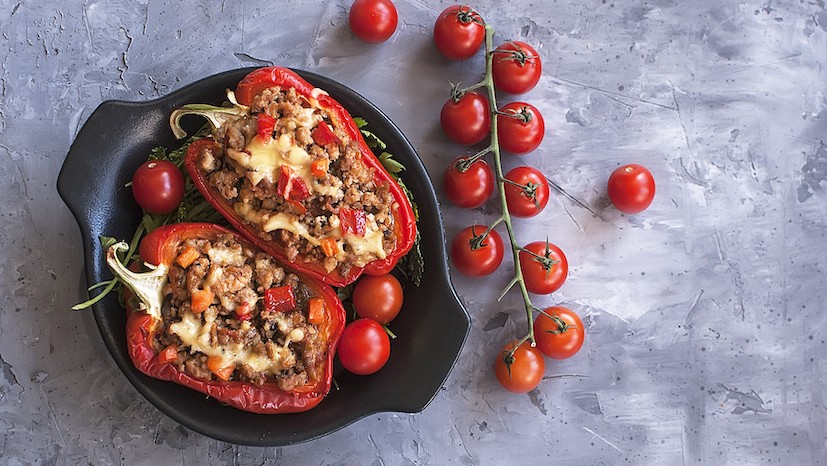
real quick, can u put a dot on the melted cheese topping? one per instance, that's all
(369, 245)
(263, 160)
(195, 333)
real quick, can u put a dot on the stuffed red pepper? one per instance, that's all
(288, 167)
(220, 316)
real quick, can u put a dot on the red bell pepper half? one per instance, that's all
(159, 249)
(252, 85)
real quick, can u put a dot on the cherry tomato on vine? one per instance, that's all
(470, 188)
(523, 132)
(158, 186)
(378, 297)
(459, 32)
(547, 273)
(522, 371)
(631, 188)
(516, 67)
(481, 261)
(373, 21)
(530, 199)
(468, 120)
(364, 347)
(559, 340)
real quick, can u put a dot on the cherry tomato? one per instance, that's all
(528, 201)
(373, 21)
(364, 347)
(481, 261)
(470, 188)
(158, 186)
(542, 277)
(555, 340)
(631, 188)
(516, 67)
(467, 121)
(522, 371)
(522, 133)
(459, 32)
(378, 297)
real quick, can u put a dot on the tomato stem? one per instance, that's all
(498, 168)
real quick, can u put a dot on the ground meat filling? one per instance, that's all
(348, 182)
(238, 278)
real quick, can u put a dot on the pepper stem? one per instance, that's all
(146, 286)
(216, 116)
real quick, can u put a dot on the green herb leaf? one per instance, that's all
(107, 241)
(413, 264)
(392, 166)
(360, 122)
(373, 140)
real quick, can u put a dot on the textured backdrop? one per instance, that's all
(705, 313)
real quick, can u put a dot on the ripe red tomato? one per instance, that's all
(523, 133)
(378, 297)
(459, 32)
(542, 277)
(522, 371)
(364, 347)
(373, 21)
(559, 341)
(481, 261)
(470, 188)
(528, 201)
(516, 67)
(467, 121)
(158, 186)
(631, 188)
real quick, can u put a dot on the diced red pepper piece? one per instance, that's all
(244, 311)
(353, 221)
(330, 246)
(279, 299)
(318, 168)
(168, 354)
(323, 135)
(216, 365)
(291, 186)
(315, 311)
(265, 125)
(201, 300)
(187, 257)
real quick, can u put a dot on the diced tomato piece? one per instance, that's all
(201, 300)
(315, 311)
(330, 246)
(265, 125)
(279, 299)
(318, 168)
(297, 206)
(244, 311)
(168, 354)
(323, 135)
(187, 257)
(216, 365)
(291, 186)
(353, 221)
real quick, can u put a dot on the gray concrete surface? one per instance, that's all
(705, 314)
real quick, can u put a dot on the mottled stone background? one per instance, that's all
(705, 314)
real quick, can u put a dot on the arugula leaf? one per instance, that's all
(392, 166)
(413, 264)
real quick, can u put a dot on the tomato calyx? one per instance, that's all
(545, 259)
(519, 55)
(478, 241)
(466, 15)
(508, 359)
(562, 326)
(524, 115)
(529, 190)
